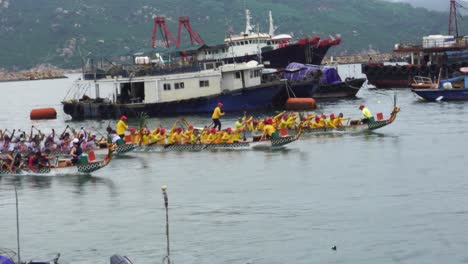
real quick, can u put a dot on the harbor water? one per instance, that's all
(396, 195)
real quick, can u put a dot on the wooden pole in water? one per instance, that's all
(17, 226)
(163, 188)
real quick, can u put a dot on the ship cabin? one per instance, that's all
(243, 45)
(171, 87)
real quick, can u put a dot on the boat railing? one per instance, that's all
(422, 80)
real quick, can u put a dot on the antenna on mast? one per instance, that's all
(272, 27)
(247, 22)
(454, 15)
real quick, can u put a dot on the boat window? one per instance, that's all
(204, 83)
(251, 73)
(268, 43)
(167, 86)
(209, 66)
(238, 75)
(179, 85)
(257, 73)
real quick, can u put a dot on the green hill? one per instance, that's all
(54, 31)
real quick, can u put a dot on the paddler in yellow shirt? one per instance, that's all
(211, 136)
(292, 120)
(318, 123)
(227, 136)
(338, 121)
(145, 138)
(187, 135)
(159, 138)
(176, 137)
(204, 135)
(268, 130)
(328, 122)
(261, 124)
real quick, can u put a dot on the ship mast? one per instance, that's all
(272, 27)
(453, 14)
(247, 22)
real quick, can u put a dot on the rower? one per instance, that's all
(145, 138)
(33, 161)
(76, 151)
(160, 138)
(44, 160)
(317, 123)
(338, 120)
(368, 117)
(9, 160)
(329, 121)
(211, 136)
(188, 136)
(268, 130)
(227, 136)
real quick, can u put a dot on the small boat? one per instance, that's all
(59, 167)
(420, 82)
(242, 145)
(454, 89)
(328, 81)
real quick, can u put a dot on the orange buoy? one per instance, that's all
(43, 113)
(300, 104)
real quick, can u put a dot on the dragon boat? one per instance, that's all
(273, 143)
(59, 167)
(354, 126)
(99, 151)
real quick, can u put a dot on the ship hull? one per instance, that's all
(460, 94)
(348, 88)
(401, 76)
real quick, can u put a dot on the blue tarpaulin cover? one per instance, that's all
(5, 260)
(298, 71)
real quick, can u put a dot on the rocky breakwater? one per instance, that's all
(40, 72)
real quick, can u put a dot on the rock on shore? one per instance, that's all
(39, 72)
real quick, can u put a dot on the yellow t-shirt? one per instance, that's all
(217, 113)
(121, 127)
(269, 130)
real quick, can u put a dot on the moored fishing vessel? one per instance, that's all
(435, 54)
(275, 51)
(163, 90)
